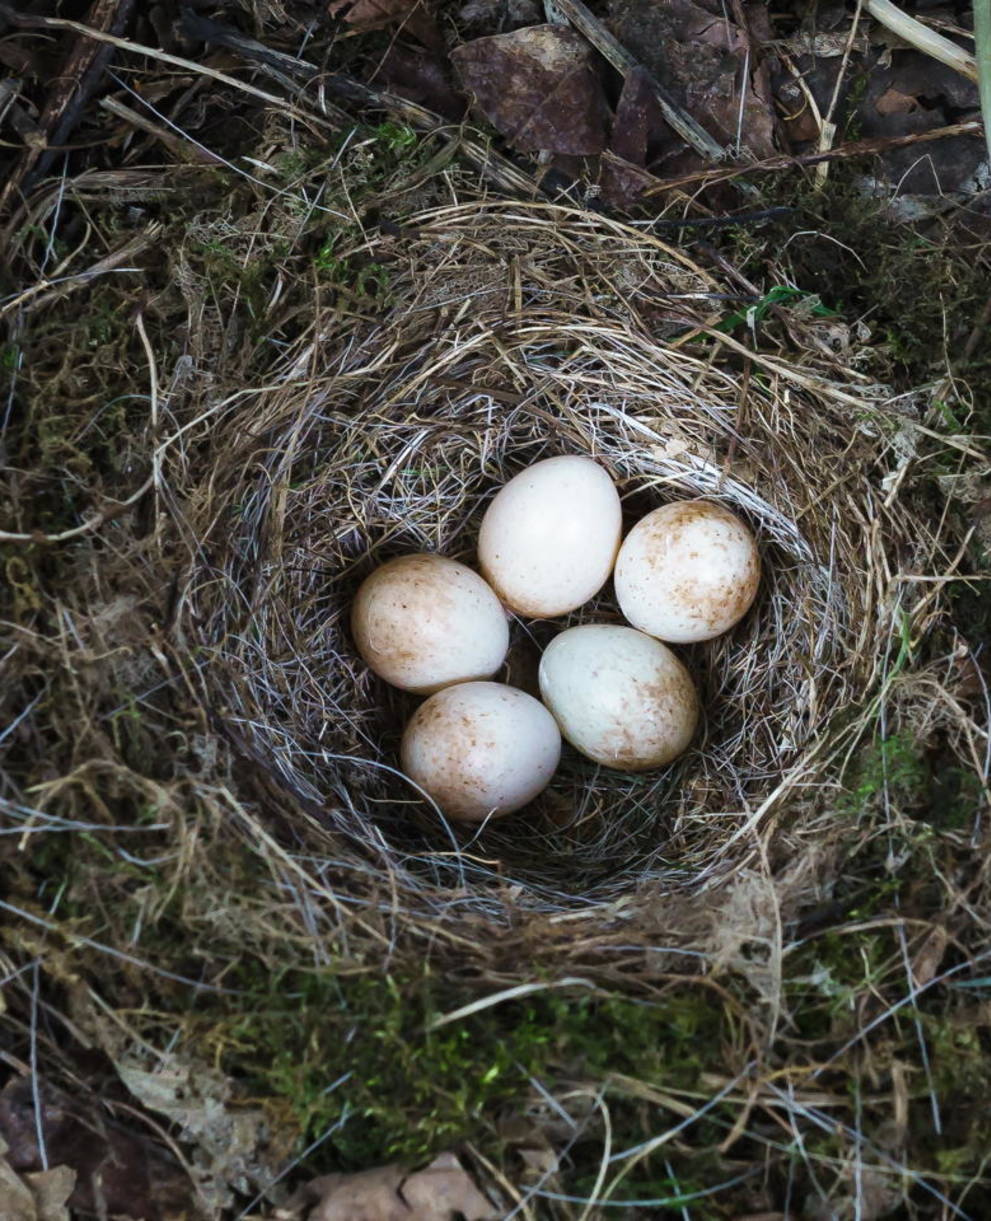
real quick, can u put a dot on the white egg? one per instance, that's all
(688, 571)
(481, 749)
(620, 697)
(423, 622)
(549, 539)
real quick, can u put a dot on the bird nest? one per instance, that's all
(497, 335)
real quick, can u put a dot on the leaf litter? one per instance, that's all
(41, 1196)
(442, 1191)
(110, 1167)
(538, 87)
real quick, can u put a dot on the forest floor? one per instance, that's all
(208, 999)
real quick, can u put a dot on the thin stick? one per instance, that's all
(588, 24)
(177, 61)
(827, 128)
(39, 1126)
(91, 523)
(509, 994)
(156, 457)
(982, 46)
(184, 150)
(856, 148)
(923, 38)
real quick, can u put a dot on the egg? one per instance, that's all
(688, 571)
(619, 696)
(481, 749)
(423, 622)
(548, 540)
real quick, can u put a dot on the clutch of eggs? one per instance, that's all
(548, 542)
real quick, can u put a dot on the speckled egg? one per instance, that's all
(688, 571)
(481, 749)
(619, 696)
(423, 622)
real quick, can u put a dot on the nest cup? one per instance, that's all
(510, 334)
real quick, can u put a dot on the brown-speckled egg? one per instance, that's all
(620, 697)
(688, 571)
(481, 749)
(423, 622)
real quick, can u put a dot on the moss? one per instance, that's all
(892, 769)
(920, 288)
(404, 1090)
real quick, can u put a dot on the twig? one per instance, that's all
(691, 132)
(177, 61)
(499, 170)
(827, 128)
(982, 47)
(855, 148)
(39, 1126)
(72, 87)
(508, 994)
(184, 150)
(91, 523)
(46, 291)
(923, 38)
(77, 939)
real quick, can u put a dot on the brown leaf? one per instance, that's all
(930, 954)
(112, 1168)
(538, 87)
(17, 1198)
(635, 112)
(893, 101)
(440, 1192)
(51, 1190)
(414, 16)
(636, 123)
(421, 77)
(700, 56)
(622, 183)
(34, 1197)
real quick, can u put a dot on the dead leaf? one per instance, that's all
(824, 45)
(701, 57)
(543, 1160)
(51, 1190)
(413, 16)
(498, 14)
(103, 1162)
(637, 120)
(230, 1150)
(538, 87)
(893, 101)
(876, 1194)
(927, 960)
(421, 77)
(440, 1192)
(636, 111)
(17, 1198)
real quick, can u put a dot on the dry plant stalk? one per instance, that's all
(516, 332)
